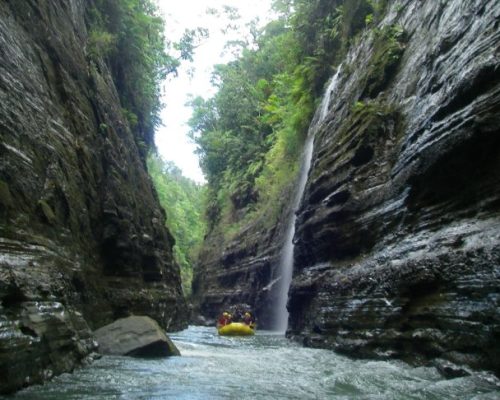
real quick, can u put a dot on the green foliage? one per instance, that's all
(183, 201)
(369, 20)
(372, 121)
(355, 20)
(317, 28)
(372, 107)
(129, 36)
(324, 29)
(358, 106)
(101, 44)
(103, 128)
(251, 133)
(189, 41)
(388, 48)
(379, 7)
(131, 117)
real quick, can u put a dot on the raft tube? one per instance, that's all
(236, 329)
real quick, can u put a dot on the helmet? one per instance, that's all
(225, 314)
(247, 314)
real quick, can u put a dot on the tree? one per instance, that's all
(250, 133)
(129, 36)
(183, 202)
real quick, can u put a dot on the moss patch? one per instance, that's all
(388, 48)
(47, 212)
(368, 124)
(370, 117)
(5, 196)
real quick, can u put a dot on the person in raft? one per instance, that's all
(249, 320)
(238, 314)
(224, 319)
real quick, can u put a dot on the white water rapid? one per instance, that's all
(286, 261)
(261, 367)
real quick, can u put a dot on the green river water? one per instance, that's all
(266, 366)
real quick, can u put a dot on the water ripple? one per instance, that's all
(266, 366)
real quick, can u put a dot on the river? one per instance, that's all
(266, 366)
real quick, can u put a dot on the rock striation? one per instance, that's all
(241, 271)
(397, 240)
(398, 232)
(82, 236)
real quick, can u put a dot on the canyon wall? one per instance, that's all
(82, 235)
(243, 270)
(398, 232)
(397, 241)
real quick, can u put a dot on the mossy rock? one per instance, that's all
(47, 212)
(369, 118)
(368, 122)
(388, 48)
(5, 195)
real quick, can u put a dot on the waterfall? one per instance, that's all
(285, 268)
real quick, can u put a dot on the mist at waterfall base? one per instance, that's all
(264, 366)
(285, 269)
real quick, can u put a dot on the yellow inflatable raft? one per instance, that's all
(236, 329)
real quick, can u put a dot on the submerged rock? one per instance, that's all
(138, 336)
(451, 370)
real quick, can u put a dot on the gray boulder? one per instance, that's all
(138, 336)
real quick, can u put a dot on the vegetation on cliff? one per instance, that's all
(250, 134)
(129, 35)
(183, 201)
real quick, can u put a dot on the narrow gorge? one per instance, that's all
(352, 158)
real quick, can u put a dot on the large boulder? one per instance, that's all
(138, 336)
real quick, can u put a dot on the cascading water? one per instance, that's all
(285, 268)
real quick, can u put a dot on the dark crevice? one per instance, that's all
(469, 90)
(337, 198)
(457, 178)
(151, 269)
(28, 331)
(13, 298)
(363, 155)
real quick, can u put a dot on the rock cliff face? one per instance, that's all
(241, 271)
(82, 236)
(397, 242)
(398, 233)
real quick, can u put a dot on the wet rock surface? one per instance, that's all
(138, 336)
(398, 232)
(243, 270)
(397, 236)
(82, 237)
